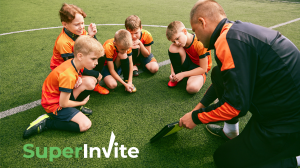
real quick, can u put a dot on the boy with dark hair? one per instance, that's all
(118, 59)
(64, 89)
(188, 58)
(72, 19)
(141, 48)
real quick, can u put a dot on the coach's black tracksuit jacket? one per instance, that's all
(261, 74)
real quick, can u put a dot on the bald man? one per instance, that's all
(258, 70)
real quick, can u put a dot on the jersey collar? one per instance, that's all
(71, 35)
(216, 34)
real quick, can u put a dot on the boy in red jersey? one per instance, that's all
(141, 49)
(188, 58)
(72, 19)
(118, 56)
(65, 88)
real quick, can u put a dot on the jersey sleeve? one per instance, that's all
(65, 48)
(66, 82)
(236, 62)
(129, 52)
(109, 52)
(147, 38)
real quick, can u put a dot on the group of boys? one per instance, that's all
(79, 62)
(257, 70)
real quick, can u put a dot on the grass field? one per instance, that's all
(134, 118)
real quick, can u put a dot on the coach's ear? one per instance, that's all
(202, 21)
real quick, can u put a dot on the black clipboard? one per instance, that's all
(167, 130)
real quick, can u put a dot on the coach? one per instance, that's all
(258, 70)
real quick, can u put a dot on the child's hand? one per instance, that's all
(92, 30)
(172, 77)
(128, 87)
(78, 82)
(136, 44)
(86, 99)
(178, 77)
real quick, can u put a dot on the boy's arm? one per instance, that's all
(145, 50)
(114, 74)
(64, 100)
(197, 71)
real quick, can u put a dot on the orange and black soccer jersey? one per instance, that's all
(63, 47)
(260, 69)
(197, 51)
(111, 51)
(146, 38)
(61, 79)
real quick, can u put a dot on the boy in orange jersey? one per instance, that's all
(72, 19)
(65, 88)
(141, 49)
(118, 59)
(188, 58)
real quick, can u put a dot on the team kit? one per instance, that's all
(258, 70)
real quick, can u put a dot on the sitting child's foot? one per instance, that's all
(37, 126)
(172, 83)
(101, 90)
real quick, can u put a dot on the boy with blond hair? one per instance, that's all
(65, 88)
(118, 56)
(141, 48)
(188, 58)
(72, 19)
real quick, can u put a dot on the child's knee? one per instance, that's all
(153, 67)
(110, 82)
(174, 48)
(84, 126)
(89, 83)
(192, 89)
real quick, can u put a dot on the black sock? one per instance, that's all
(209, 96)
(175, 61)
(83, 95)
(134, 55)
(62, 125)
(100, 65)
(125, 68)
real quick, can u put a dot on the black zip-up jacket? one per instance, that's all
(260, 69)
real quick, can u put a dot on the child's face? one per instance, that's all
(121, 49)
(135, 34)
(90, 61)
(179, 38)
(76, 26)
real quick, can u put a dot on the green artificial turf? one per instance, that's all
(133, 118)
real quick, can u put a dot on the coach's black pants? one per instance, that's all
(255, 147)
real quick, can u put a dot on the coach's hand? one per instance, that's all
(186, 121)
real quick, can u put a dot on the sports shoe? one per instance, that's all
(86, 111)
(135, 73)
(217, 131)
(172, 84)
(101, 90)
(37, 126)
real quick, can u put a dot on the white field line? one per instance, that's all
(38, 102)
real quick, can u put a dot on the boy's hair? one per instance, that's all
(133, 22)
(68, 11)
(173, 28)
(123, 38)
(86, 44)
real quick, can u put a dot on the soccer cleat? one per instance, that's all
(101, 90)
(135, 73)
(172, 84)
(217, 131)
(37, 126)
(86, 111)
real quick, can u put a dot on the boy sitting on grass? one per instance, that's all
(141, 49)
(118, 59)
(72, 19)
(188, 58)
(64, 90)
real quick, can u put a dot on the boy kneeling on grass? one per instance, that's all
(65, 91)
